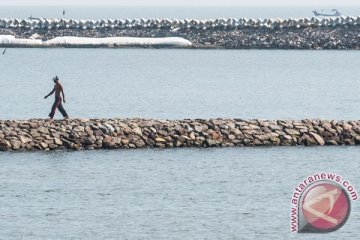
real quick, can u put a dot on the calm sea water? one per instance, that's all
(238, 193)
(175, 84)
(197, 12)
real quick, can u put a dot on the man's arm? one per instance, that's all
(63, 94)
(50, 93)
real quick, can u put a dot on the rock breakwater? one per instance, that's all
(231, 33)
(81, 134)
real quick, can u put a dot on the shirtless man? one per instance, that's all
(57, 104)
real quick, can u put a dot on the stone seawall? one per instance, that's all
(80, 134)
(230, 33)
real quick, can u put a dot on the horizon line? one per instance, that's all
(182, 5)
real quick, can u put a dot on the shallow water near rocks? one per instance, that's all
(233, 193)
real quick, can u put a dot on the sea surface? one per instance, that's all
(180, 83)
(232, 193)
(195, 12)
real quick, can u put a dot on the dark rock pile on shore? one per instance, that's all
(80, 134)
(242, 33)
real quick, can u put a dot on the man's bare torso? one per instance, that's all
(58, 89)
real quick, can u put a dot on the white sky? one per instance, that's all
(180, 2)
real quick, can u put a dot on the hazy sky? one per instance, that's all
(180, 2)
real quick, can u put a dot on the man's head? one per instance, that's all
(56, 79)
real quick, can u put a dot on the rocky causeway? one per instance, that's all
(88, 134)
(228, 33)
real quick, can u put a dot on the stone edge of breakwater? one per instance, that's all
(88, 134)
(230, 23)
(221, 33)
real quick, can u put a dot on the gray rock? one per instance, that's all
(200, 128)
(292, 131)
(160, 140)
(15, 144)
(44, 145)
(4, 145)
(79, 129)
(140, 143)
(137, 131)
(58, 142)
(109, 127)
(318, 138)
(43, 130)
(24, 139)
(211, 143)
(231, 137)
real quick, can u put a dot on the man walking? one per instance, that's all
(57, 104)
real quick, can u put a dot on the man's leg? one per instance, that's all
(53, 108)
(62, 110)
